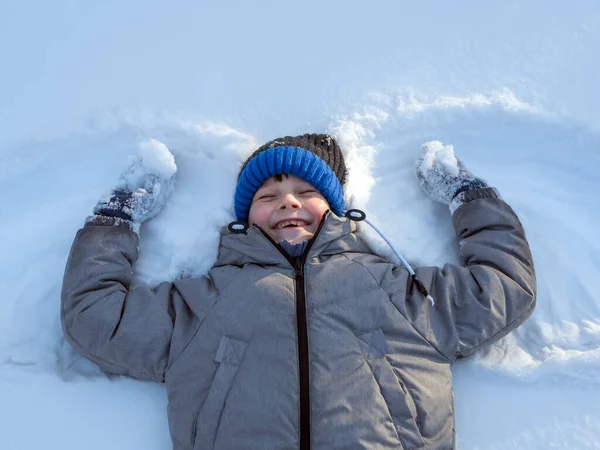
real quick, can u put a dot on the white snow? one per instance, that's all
(150, 177)
(438, 153)
(438, 169)
(154, 157)
(511, 86)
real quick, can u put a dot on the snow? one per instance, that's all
(438, 153)
(512, 86)
(441, 175)
(144, 187)
(153, 157)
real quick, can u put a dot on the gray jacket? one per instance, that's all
(340, 351)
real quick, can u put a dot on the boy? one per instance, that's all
(300, 337)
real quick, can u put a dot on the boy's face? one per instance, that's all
(290, 209)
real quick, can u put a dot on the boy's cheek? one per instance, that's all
(259, 216)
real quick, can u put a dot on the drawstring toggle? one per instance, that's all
(358, 216)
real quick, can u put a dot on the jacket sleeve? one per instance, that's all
(124, 330)
(490, 293)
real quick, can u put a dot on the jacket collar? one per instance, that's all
(337, 234)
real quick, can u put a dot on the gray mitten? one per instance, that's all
(143, 188)
(442, 176)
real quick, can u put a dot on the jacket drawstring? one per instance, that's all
(357, 215)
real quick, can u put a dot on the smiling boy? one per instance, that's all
(300, 337)
(288, 208)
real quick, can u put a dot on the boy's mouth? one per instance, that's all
(290, 223)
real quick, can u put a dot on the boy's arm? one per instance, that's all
(493, 290)
(125, 331)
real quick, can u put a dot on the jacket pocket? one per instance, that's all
(400, 404)
(229, 356)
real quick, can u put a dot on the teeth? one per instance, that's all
(295, 223)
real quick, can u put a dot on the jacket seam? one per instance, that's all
(399, 312)
(82, 348)
(508, 327)
(171, 364)
(200, 322)
(127, 370)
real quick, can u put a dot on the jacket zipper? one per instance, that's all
(303, 364)
(302, 329)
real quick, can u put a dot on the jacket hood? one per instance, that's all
(337, 235)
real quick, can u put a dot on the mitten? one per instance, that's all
(442, 176)
(143, 188)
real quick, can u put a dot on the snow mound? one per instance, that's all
(144, 187)
(153, 157)
(441, 154)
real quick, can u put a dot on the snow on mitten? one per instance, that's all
(144, 187)
(442, 176)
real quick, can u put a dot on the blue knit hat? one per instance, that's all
(316, 158)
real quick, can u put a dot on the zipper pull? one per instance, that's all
(298, 268)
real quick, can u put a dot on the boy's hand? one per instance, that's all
(441, 175)
(144, 187)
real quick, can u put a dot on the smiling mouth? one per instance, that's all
(291, 223)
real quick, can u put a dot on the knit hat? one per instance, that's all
(316, 158)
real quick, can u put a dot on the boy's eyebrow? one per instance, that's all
(262, 188)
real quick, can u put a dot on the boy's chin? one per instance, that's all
(293, 236)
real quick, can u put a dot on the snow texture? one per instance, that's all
(145, 186)
(153, 159)
(512, 85)
(441, 174)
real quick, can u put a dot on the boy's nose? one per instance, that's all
(289, 201)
